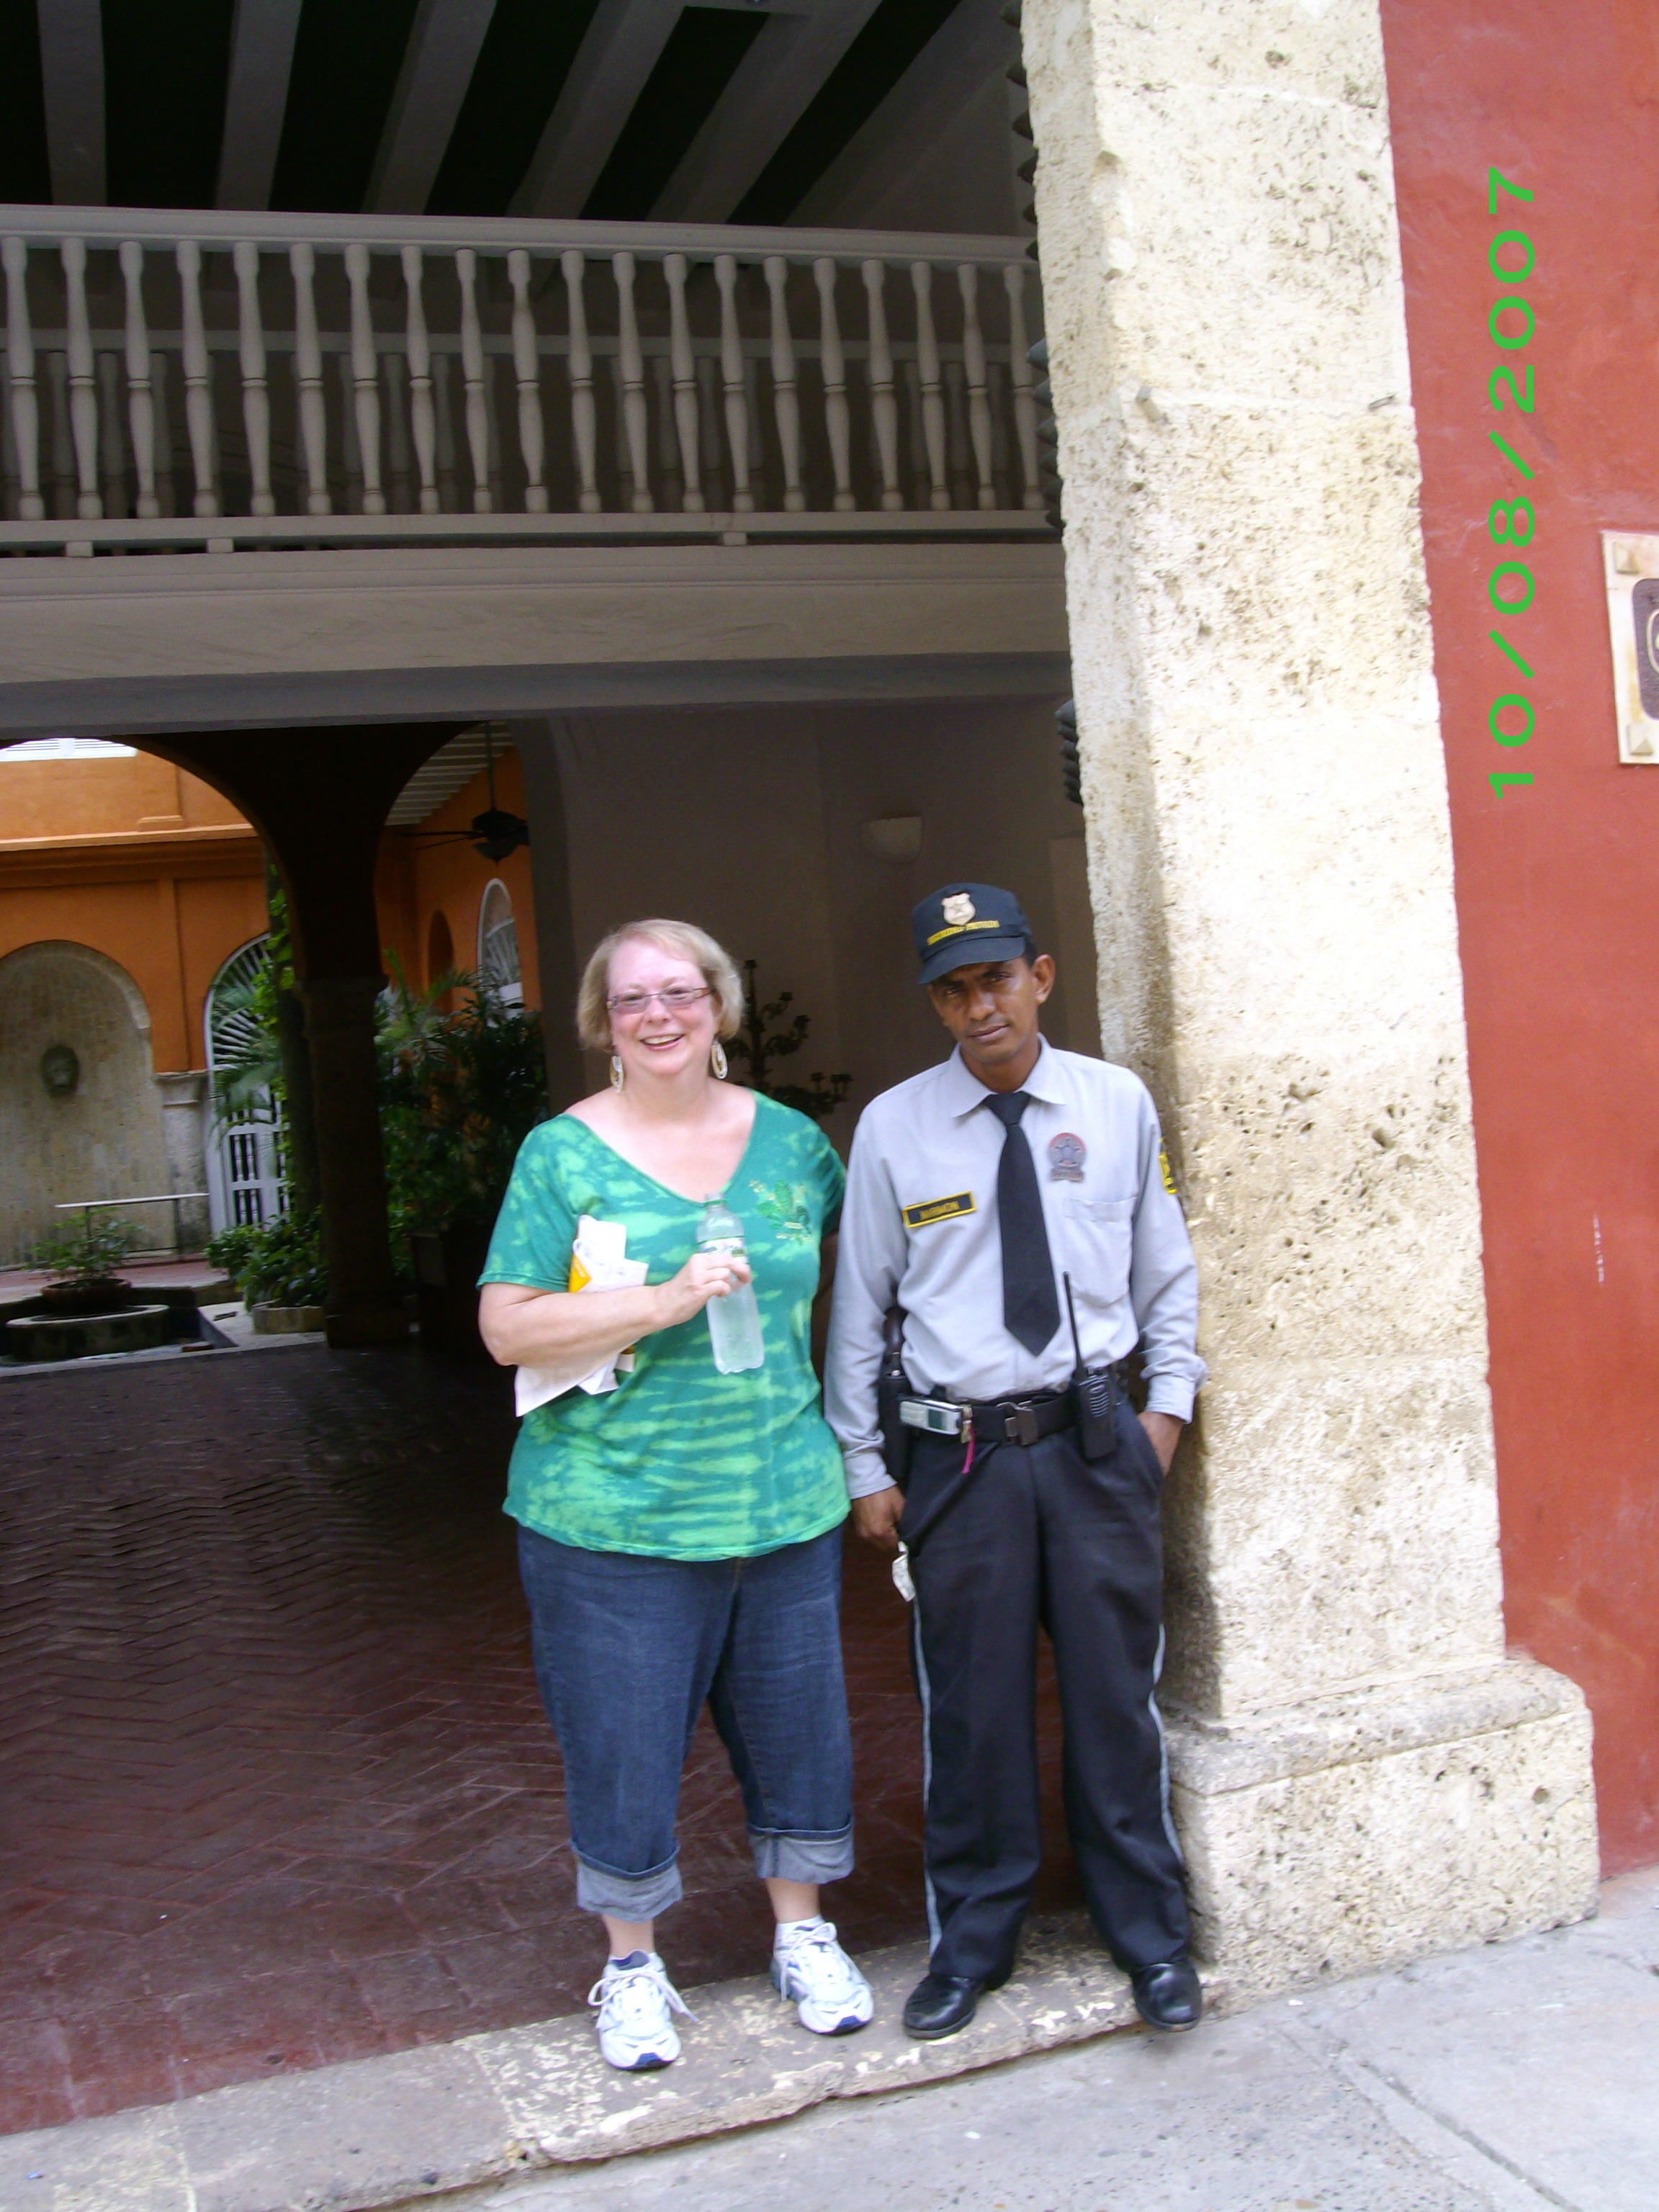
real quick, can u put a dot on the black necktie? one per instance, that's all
(1031, 1304)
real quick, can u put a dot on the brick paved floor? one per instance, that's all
(274, 1787)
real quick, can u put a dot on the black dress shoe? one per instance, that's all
(939, 2004)
(1170, 1995)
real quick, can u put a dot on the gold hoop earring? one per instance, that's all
(618, 1078)
(717, 1061)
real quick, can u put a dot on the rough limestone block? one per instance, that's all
(1360, 1855)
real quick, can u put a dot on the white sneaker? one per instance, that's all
(634, 1998)
(810, 1970)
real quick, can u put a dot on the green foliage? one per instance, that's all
(758, 1043)
(87, 1255)
(460, 1089)
(278, 1264)
(248, 1083)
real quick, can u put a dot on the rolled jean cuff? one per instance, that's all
(628, 1896)
(802, 1859)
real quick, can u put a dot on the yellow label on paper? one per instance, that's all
(579, 1278)
(938, 1209)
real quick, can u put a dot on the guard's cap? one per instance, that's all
(965, 923)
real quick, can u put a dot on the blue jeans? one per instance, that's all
(627, 1650)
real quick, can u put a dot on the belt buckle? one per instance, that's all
(1019, 1424)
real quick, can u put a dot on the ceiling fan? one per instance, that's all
(494, 832)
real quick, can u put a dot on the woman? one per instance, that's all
(680, 1533)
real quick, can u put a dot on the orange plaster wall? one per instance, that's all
(1554, 882)
(414, 881)
(169, 909)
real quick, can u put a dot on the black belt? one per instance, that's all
(1022, 1420)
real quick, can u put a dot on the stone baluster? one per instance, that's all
(837, 419)
(256, 393)
(668, 446)
(443, 415)
(714, 487)
(1019, 374)
(932, 402)
(619, 424)
(166, 500)
(685, 384)
(526, 367)
(915, 443)
(736, 398)
(8, 463)
(141, 394)
(996, 399)
(973, 362)
(308, 378)
(473, 370)
(883, 406)
(349, 452)
(365, 380)
(398, 482)
(955, 436)
(112, 455)
(630, 368)
(63, 453)
(19, 370)
(493, 366)
(584, 425)
(198, 383)
(83, 380)
(422, 421)
(785, 401)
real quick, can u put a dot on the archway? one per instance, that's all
(498, 945)
(80, 1113)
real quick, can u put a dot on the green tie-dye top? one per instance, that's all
(680, 1461)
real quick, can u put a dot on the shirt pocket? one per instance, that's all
(1099, 1240)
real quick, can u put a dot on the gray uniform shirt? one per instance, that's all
(919, 1229)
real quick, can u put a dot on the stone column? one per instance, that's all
(557, 955)
(184, 1141)
(1360, 1773)
(364, 1304)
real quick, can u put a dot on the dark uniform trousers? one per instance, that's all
(1020, 1536)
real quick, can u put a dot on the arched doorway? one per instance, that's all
(498, 945)
(79, 1114)
(246, 1178)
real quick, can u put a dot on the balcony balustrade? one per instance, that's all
(191, 381)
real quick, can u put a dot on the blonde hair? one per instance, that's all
(718, 969)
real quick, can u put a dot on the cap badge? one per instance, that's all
(958, 909)
(1066, 1154)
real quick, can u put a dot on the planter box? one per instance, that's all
(287, 1321)
(81, 1336)
(110, 1294)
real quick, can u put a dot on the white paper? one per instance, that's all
(599, 1252)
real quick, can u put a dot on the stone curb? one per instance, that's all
(395, 2131)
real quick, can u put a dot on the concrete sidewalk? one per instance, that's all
(1520, 2077)
(1512, 2078)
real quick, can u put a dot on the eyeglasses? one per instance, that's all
(674, 1000)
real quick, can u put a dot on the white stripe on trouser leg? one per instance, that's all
(1163, 1754)
(926, 1772)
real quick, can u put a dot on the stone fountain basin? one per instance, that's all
(79, 1336)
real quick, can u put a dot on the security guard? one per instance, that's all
(1015, 1205)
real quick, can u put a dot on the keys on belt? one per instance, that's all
(1000, 1421)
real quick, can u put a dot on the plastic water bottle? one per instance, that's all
(734, 1323)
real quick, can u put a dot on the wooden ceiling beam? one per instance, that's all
(439, 61)
(624, 42)
(256, 99)
(72, 81)
(769, 91)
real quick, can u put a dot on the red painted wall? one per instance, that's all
(1556, 883)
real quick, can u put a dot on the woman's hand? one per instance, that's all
(705, 1275)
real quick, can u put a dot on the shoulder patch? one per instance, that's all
(939, 1209)
(1163, 1168)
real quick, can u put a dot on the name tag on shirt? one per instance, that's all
(938, 1209)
